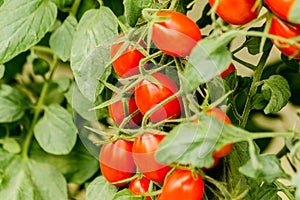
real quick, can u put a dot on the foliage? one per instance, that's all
(57, 80)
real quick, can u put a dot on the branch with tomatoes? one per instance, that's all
(180, 110)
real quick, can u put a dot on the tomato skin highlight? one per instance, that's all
(149, 94)
(281, 8)
(144, 149)
(236, 12)
(127, 64)
(280, 28)
(176, 36)
(118, 113)
(116, 161)
(140, 186)
(182, 185)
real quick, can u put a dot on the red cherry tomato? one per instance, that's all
(127, 64)
(140, 186)
(182, 185)
(116, 161)
(123, 108)
(237, 12)
(176, 36)
(282, 8)
(230, 69)
(149, 94)
(220, 115)
(144, 149)
(285, 30)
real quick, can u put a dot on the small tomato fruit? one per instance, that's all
(181, 184)
(237, 12)
(144, 149)
(116, 161)
(280, 28)
(127, 64)
(140, 186)
(149, 94)
(177, 35)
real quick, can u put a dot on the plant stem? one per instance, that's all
(38, 110)
(75, 7)
(174, 4)
(256, 78)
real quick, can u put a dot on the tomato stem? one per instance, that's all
(75, 7)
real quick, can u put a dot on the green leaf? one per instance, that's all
(2, 71)
(11, 145)
(208, 59)
(277, 91)
(294, 13)
(80, 103)
(125, 194)
(56, 132)
(100, 189)
(259, 101)
(90, 50)
(264, 167)
(267, 192)
(25, 24)
(296, 183)
(253, 43)
(235, 181)
(12, 104)
(133, 10)
(77, 167)
(61, 40)
(190, 143)
(22, 178)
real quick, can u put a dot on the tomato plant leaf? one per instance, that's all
(55, 131)
(190, 143)
(25, 24)
(2, 71)
(77, 167)
(90, 50)
(80, 103)
(126, 194)
(133, 9)
(11, 145)
(253, 43)
(265, 168)
(61, 39)
(12, 104)
(267, 192)
(208, 59)
(27, 179)
(296, 183)
(294, 12)
(276, 90)
(100, 189)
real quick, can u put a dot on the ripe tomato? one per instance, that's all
(127, 64)
(230, 69)
(176, 36)
(220, 115)
(285, 30)
(116, 161)
(182, 185)
(149, 94)
(237, 12)
(140, 186)
(282, 8)
(123, 108)
(144, 149)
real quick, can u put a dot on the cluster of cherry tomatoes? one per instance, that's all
(120, 159)
(175, 35)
